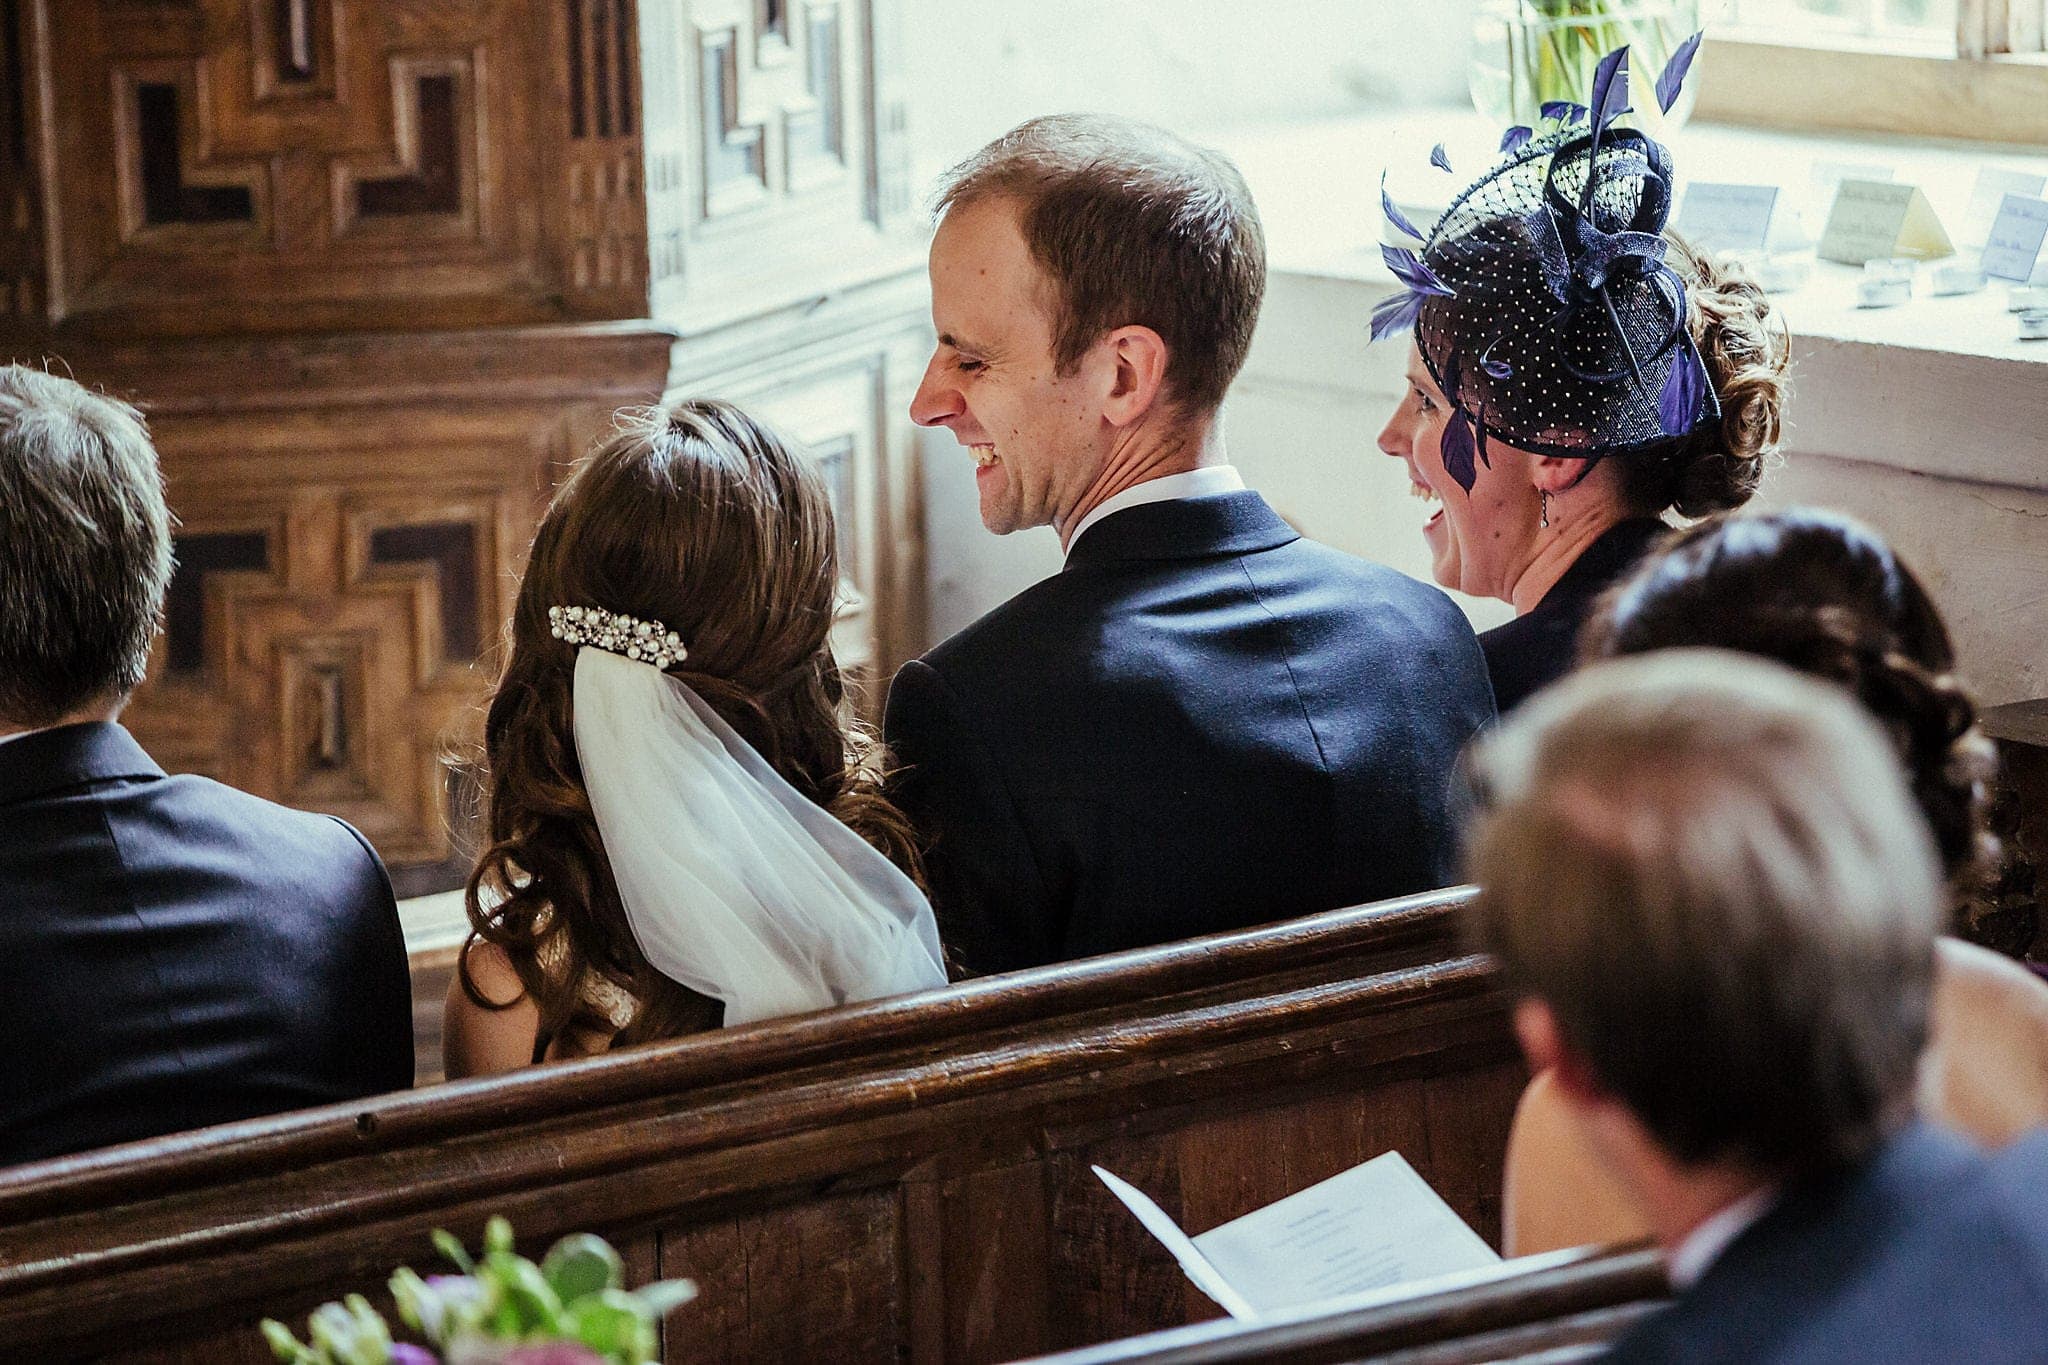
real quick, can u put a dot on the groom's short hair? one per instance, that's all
(1135, 227)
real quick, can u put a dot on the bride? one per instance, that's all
(682, 833)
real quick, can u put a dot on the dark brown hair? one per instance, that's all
(1826, 595)
(701, 518)
(1742, 339)
(1135, 228)
(85, 546)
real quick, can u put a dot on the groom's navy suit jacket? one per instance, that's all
(1931, 1251)
(175, 953)
(1204, 722)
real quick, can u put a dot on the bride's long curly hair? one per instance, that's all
(698, 516)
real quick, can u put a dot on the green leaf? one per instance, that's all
(448, 1245)
(612, 1323)
(285, 1345)
(582, 1264)
(665, 1296)
(524, 1292)
(498, 1236)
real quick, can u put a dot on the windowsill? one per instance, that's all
(1326, 226)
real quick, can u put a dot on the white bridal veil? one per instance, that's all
(734, 884)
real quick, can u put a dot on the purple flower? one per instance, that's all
(1439, 159)
(405, 1353)
(554, 1353)
(1516, 138)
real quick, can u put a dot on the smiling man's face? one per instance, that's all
(1038, 438)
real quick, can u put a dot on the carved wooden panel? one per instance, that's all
(21, 264)
(321, 634)
(763, 159)
(236, 164)
(354, 513)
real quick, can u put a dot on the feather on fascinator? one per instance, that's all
(1543, 302)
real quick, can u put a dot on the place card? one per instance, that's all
(1727, 217)
(2025, 297)
(1956, 277)
(2015, 241)
(1989, 193)
(1873, 220)
(2034, 325)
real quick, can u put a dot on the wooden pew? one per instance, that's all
(907, 1179)
(1563, 1307)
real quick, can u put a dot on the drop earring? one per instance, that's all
(1543, 503)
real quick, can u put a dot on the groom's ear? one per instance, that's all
(1136, 358)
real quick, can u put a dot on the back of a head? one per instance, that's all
(699, 517)
(1135, 227)
(85, 547)
(1824, 594)
(1710, 869)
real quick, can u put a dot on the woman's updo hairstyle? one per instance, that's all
(1824, 594)
(700, 517)
(1742, 339)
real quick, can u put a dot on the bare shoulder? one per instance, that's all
(482, 1039)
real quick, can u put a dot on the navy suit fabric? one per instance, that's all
(1534, 650)
(176, 953)
(1204, 722)
(1931, 1251)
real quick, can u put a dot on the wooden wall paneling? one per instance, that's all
(762, 166)
(21, 229)
(238, 165)
(353, 525)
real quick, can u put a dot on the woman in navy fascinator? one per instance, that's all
(1576, 372)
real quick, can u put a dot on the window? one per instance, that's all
(1970, 69)
(1918, 22)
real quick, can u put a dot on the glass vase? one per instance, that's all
(1526, 53)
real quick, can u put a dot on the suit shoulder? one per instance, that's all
(997, 637)
(281, 834)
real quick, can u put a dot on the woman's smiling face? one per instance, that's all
(1478, 540)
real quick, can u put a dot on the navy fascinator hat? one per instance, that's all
(1543, 301)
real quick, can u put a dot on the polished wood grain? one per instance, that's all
(378, 270)
(1557, 1308)
(908, 1178)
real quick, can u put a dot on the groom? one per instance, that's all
(1204, 722)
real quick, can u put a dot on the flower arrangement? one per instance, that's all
(571, 1309)
(1529, 53)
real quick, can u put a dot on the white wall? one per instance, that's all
(1190, 65)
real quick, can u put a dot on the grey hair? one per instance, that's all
(85, 546)
(1712, 870)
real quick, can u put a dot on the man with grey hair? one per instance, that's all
(1205, 721)
(173, 953)
(1708, 883)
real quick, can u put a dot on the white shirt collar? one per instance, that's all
(1694, 1256)
(1195, 483)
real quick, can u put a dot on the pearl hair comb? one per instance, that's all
(647, 641)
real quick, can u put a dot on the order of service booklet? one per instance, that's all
(1376, 1225)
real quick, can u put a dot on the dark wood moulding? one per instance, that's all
(904, 1179)
(1561, 1307)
